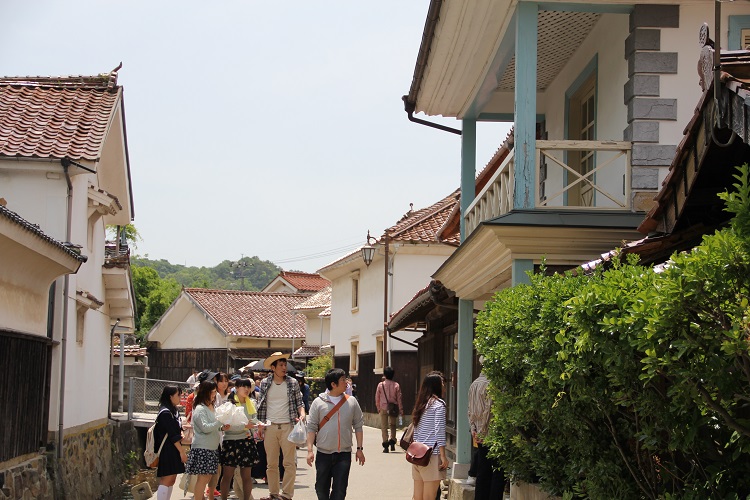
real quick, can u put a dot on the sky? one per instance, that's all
(269, 129)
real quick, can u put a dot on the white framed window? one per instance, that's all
(355, 292)
(354, 358)
(379, 354)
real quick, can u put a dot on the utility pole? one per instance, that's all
(240, 265)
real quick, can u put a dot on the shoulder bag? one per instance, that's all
(392, 407)
(419, 454)
(407, 437)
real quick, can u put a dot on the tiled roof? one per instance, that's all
(56, 117)
(422, 226)
(305, 282)
(251, 354)
(252, 314)
(34, 229)
(310, 351)
(325, 313)
(705, 173)
(130, 351)
(320, 300)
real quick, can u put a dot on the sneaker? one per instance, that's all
(471, 481)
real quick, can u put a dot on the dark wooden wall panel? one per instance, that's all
(405, 366)
(177, 365)
(24, 394)
(366, 382)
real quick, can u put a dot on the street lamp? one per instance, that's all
(368, 251)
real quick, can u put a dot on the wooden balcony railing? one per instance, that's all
(593, 175)
(495, 199)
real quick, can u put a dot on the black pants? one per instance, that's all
(490, 478)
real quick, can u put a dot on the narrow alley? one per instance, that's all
(382, 476)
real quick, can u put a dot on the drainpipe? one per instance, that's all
(409, 107)
(385, 304)
(111, 364)
(66, 291)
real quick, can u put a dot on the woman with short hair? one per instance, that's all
(429, 428)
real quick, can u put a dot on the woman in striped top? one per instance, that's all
(429, 428)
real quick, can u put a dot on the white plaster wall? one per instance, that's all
(187, 328)
(413, 267)
(606, 42)
(317, 329)
(37, 191)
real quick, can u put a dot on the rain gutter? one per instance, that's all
(410, 100)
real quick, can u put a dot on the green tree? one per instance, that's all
(318, 367)
(157, 302)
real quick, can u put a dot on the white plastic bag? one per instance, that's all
(238, 416)
(224, 413)
(298, 435)
(232, 415)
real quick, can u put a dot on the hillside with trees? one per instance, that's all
(158, 282)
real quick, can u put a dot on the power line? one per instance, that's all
(327, 253)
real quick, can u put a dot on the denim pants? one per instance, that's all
(332, 466)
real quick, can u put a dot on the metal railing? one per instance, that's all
(144, 394)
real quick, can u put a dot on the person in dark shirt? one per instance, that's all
(172, 457)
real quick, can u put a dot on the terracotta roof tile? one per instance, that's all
(423, 225)
(252, 314)
(130, 351)
(320, 300)
(310, 351)
(34, 229)
(305, 282)
(56, 117)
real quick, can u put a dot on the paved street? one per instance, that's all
(382, 476)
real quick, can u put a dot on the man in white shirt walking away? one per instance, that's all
(333, 416)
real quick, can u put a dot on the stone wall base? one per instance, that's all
(28, 479)
(94, 462)
(459, 489)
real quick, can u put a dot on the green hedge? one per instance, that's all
(631, 382)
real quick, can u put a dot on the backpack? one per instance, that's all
(149, 454)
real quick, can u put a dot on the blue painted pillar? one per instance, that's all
(465, 307)
(519, 269)
(525, 105)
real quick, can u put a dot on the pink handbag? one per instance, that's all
(419, 454)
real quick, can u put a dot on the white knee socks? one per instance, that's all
(162, 493)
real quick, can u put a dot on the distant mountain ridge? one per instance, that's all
(249, 273)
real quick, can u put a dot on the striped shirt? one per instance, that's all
(431, 427)
(479, 405)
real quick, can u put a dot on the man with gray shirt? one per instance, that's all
(333, 415)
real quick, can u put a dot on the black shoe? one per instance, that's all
(392, 442)
(385, 447)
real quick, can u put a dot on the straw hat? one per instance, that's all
(273, 358)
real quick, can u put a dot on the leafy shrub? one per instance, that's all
(630, 383)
